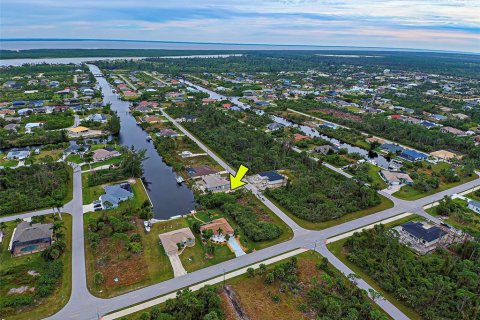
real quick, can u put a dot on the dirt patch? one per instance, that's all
(227, 307)
(339, 114)
(21, 290)
(235, 303)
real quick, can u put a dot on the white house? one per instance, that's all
(474, 205)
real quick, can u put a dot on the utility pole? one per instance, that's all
(315, 246)
(224, 277)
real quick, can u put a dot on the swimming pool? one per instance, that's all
(31, 247)
(237, 249)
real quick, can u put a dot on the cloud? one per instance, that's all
(438, 24)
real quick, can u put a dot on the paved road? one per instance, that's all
(82, 305)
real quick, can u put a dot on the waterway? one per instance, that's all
(168, 198)
(309, 131)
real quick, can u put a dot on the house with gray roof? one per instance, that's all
(116, 194)
(30, 238)
(474, 206)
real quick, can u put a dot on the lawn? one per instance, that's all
(410, 193)
(111, 161)
(75, 158)
(8, 163)
(472, 226)
(384, 205)
(373, 172)
(337, 249)
(50, 304)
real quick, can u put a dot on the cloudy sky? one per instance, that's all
(426, 24)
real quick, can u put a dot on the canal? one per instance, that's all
(309, 131)
(168, 198)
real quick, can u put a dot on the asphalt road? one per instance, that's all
(83, 305)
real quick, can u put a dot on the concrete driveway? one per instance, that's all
(178, 269)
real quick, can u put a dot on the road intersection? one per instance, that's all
(83, 305)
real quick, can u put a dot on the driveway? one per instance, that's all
(178, 269)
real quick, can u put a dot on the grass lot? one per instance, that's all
(337, 249)
(75, 158)
(133, 270)
(8, 163)
(253, 294)
(384, 204)
(410, 193)
(473, 196)
(373, 172)
(472, 225)
(46, 306)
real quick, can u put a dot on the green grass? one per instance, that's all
(337, 249)
(384, 204)
(75, 158)
(8, 163)
(410, 193)
(472, 196)
(472, 226)
(373, 172)
(114, 160)
(53, 303)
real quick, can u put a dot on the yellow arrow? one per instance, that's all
(236, 181)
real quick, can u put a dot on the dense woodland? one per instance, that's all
(325, 60)
(203, 304)
(315, 193)
(242, 214)
(33, 187)
(440, 285)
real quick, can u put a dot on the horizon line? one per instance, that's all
(223, 43)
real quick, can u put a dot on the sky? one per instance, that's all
(452, 25)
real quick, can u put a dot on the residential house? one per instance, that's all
(32, 125)
(392, 148)
(29, 238)
(76, 149)
(445, 155)
(12, 127)
(215, 183)
(116, 194)
(78, 131)
(326, 149)
(104, 154)
(396, 178)
(167, 133)
(220, 228)
(413, 155)
(177, 240)
(199, 171)
(274, 126)
(300, 137)
(421, 236)
(474, 205)
(97, 117)
(18, 154)
(453, 131)
(271, 178)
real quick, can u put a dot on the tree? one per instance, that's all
(262, 268)
(269, 278)
(98, 278)
(250, 272)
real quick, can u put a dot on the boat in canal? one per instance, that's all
(180, 180)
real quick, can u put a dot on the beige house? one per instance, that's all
(445, 155)
(103, 154)
(175, 240)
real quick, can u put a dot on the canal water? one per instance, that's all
(168, 198)
(312, 132)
